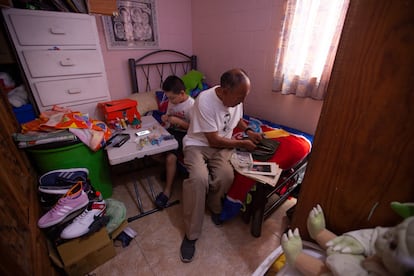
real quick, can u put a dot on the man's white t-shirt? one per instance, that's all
(210, 115)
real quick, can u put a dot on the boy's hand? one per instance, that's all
(173, 120)
(164, 118)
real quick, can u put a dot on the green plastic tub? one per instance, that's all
(75, 156)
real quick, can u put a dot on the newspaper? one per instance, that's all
(240, 167)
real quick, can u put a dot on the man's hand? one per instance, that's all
(255, 136)
(248, 144)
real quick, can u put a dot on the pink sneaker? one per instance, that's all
(81, 224)
(72, 201)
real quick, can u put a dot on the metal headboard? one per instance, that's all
(151, 71)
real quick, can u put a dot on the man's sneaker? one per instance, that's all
(81, 224)
(187, 250)
(72, 201)
(60, 181)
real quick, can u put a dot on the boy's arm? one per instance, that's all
(174, 120)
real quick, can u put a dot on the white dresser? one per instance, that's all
(61, 58)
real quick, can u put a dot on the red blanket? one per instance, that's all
(292, 149)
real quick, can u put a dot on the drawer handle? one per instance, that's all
(67, 62)
(57, 31)
(74, 91)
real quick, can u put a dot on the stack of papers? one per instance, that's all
(265, 172)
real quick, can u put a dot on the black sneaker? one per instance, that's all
(216, 219)
(161, 200)
(60, 181)
(187, 250)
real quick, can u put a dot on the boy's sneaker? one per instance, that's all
(72, 201)
(60, 181)
(81, 225)
(161, 200)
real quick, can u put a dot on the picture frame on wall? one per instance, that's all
(135, 26)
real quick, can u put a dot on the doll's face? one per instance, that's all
(394, 247)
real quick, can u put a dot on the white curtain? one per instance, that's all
(310, 36)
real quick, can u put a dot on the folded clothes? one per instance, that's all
(93, 133)
(40, 138)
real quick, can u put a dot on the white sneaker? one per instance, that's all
(80, 225)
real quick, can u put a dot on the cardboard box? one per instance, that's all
(118, 230)
(82, 255)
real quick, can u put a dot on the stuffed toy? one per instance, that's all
(193, 79)
(376, 251)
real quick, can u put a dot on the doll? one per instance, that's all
(377, 251)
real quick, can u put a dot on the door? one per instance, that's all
(363, 153)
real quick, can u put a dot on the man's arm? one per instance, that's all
(243, 126)
(216, 141)
(254, 136)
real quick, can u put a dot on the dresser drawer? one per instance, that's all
(53, 30)
(65, 92)
(44, 63)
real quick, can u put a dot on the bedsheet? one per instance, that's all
(293, 148)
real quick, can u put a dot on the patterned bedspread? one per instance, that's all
(293, 148)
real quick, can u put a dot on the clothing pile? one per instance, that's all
(61, 124)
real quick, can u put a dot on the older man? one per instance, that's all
(208, 146)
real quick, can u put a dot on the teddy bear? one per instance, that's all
(374, 251)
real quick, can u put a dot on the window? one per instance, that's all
(310, 36)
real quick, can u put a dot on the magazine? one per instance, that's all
(242, 159)
(262, 168)
(266, 179)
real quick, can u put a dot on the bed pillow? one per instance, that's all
(146, 101)
(162, 101)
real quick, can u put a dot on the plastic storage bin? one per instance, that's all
(24, 114)
(75, 156)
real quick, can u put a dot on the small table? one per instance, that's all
(132, 149)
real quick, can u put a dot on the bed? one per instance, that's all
(254, 200)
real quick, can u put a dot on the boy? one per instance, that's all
(176, 120)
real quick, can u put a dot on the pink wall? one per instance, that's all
(244, 33)
(223, 34)
(174, 31)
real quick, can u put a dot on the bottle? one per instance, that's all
(123, 124)
(98, 196)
